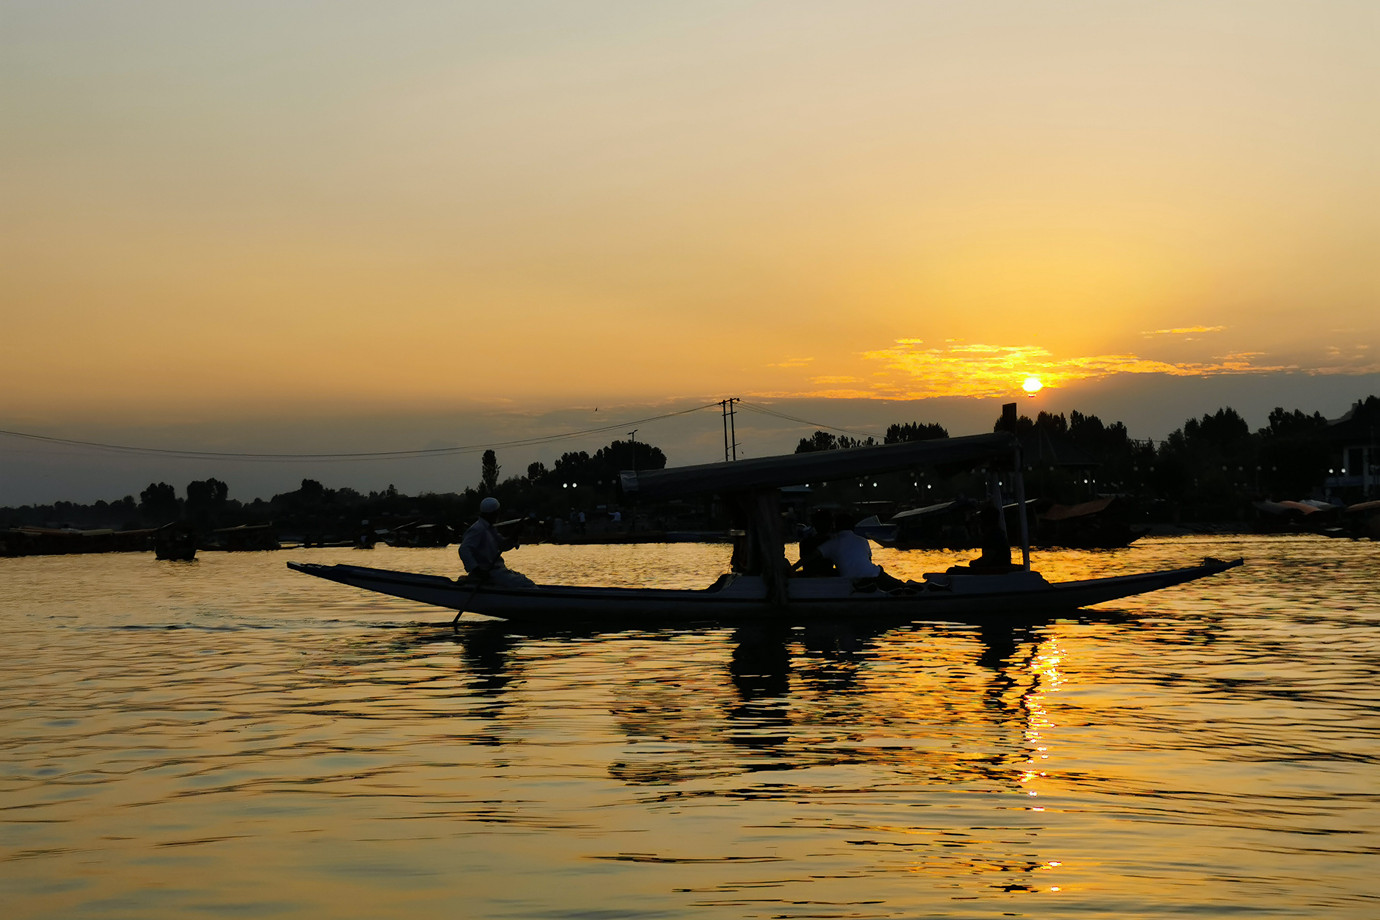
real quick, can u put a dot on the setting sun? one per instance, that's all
(1032, 386)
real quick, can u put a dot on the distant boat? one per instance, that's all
(954, 525)
(1315, 517)
(1088, 525)
(175, 542)
(760, 588)
(942, 525)
(1363, 520)
(417, 534)
(244, 538)
(61, 541)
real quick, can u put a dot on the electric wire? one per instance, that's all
(791, 418)
(413, 454)
(346, 457)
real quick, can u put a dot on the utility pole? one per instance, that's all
(632, 523)
(733, 433)
(726, 405)
(723, 408)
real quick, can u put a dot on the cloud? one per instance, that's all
(839, 393)
(794, 362)
(909, 370)
(1186, 330)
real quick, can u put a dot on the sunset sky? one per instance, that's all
(323, 227)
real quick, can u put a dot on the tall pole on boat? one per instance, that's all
(1020, 503)
(1009, 422)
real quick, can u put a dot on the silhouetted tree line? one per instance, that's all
(1211, 469)
(577, 479)
(910, 431)
(1208, 470)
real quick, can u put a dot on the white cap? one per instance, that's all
(488, 505)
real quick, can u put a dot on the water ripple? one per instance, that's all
(232, 738)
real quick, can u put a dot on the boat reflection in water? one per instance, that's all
(787, 699)
(840, 725)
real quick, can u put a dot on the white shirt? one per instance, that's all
(851, 554)
(481, 548)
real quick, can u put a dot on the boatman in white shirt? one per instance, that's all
(482, 548)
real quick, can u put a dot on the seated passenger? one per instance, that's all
(851, 556)
(996, 548)
(812, 564)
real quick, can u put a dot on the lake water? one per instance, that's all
(226, 738)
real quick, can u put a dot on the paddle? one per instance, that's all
(460, 608)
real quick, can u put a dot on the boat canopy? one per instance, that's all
(816, 466)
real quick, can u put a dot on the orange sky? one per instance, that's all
(278, 209)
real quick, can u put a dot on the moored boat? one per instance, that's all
(176, 542)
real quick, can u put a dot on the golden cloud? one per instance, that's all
(908, 370)
(1186, 330)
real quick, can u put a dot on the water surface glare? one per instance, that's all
(230, 738)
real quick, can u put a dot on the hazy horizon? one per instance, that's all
(37, 472)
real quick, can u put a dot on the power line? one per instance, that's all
(791, 418)
(345, 457)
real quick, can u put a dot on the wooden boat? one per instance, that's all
(759, 587)
(950, 596)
